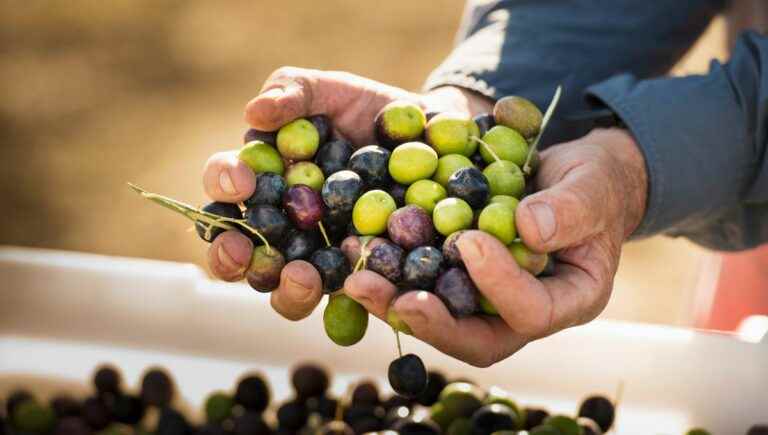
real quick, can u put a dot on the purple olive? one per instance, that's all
(451, 251)
(263, 274)
(457, 291)
(304, 206)
(386, 260)
(269, 137)
(323, 126)
(410, 227)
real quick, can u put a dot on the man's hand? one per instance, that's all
(351, 102)
(591, 196)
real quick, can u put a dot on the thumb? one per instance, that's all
(288, 93)
(565, 214)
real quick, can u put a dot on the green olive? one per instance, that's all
(345, 320)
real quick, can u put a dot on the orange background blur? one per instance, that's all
(95, 94)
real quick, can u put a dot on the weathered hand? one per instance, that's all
(351, 102)
(591, 196)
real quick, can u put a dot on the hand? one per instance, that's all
(351, 102)
(591, 196)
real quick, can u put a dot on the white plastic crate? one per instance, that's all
(61, 314)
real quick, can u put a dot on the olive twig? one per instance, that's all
(244, 224)
(205, 219)
(547, 116)
(325, 235)
(399, 348)
(487, 147)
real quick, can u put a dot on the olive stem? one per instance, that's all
(199, 216)
(358, 264)
(547, 116)
(399, 348)
(325, 235)
(243, 223)
(487, 147)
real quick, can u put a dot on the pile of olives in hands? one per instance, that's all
(458, 407)
(396, 208)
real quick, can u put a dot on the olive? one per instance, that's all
(598, 408)
(218, 407)
(408, 376)
(333, 156)
(269, 190)
(371, 163)
(470, 185)
(157, 387)
(263, 273)
(386, 260)
(493, 418)
(333, 267)
(127, 409)
(292, 415)
(252, 393)
(268, 137)
(223, 209)
(310, 380)
(457, 291)
(345, 320)
(269, 221)
(421, 267)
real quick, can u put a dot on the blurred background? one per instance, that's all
(97, 93)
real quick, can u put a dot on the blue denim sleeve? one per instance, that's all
(704, 139)
(528, 47)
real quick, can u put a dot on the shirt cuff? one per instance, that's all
(695, 150)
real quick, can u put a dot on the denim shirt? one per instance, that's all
(703, 137)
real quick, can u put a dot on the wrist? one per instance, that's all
(456, 99)
(631, 174)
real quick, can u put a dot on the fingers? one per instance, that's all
(372, 291)
(230, 255)
(567, 213)
(521, 300)
(480, 341)
(484, 341)
(351, 101)
(227, 179)
(289, 93)
(300, 291)
(584, 281)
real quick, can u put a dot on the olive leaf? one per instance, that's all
(527, 169)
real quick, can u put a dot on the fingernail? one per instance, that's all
(469, 248)
(412, 316)
(300, 283)
(273, 93)
(545, 219)
(226, 184)
(228, 262)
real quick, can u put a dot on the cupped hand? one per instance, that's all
(351, 102)
(591, 196)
